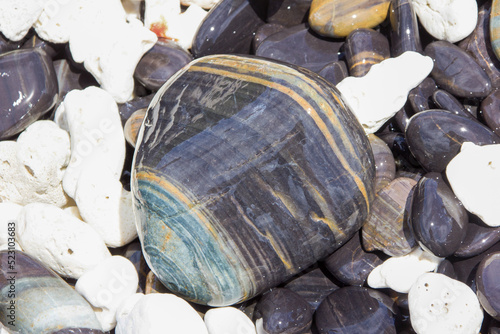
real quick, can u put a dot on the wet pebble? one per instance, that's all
(488, 285)
(490, 108)
(404, 28)
(363, 49)
(385, 167)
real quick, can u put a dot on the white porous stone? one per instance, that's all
(63, 243)
(106, 206)
(166, 19)
(8, 215)
(32, 169)
(206, 4)
(92, 118)
(127, 305)
(17, 17)
(106, 286)
(399, 273)
(228, 320)
(73, 210)
(441, 305)
(57, 19)
(377, 96)
(474, 176)
(161, 313)
(450, 20)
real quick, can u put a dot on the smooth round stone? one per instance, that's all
(28, 89)
(456, 71)
(229, 27)
(288, 12)
(282, 311)
(44, 302)
(263, 32)
(338, 18)
(478, 238)
(160, 63)
(438, 218)
(488, 284)
(419, 96)
(252, 171)
(436, 136)
(356, 310)
(404, 28)
(132, 126)
(363, 49)
(446, 101)
(384, 229)
(69, 78)
(334, 72)
(299, 45)
(313, 286)
(490, 108)
(128, 108)
(385, 167)
(446, 268)
(350, 264)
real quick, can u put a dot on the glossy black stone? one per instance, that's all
(128, 108)
(283, 311)
(350, 264)
(435, 137)
(288, 12)
(402, 117)
(313, 286)
(385, 167)
(399, 146)
(334, 72)
(299, 45)
(420, 95)
(28, 89)
(6, 45)
(356, 310)
(456, 71)
(404, 28)
(160, 63)
(438, 218)
(363, 49)
(35, 42)
(478, 238)
(263, 32)
(446, 268)
(446, 101)
(490, 108)
(466, 268)
(229, 27)
(69, 78)
(488, 284)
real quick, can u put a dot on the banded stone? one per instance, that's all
(246, 172)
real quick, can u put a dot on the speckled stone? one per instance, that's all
(28, 89)
(363, 49)
(356, 310)
(44, 302)
(248, 190)
(436, 136)
(385, 167)
(478, 238)
(490, 108)
(488, 284)
(404, 28)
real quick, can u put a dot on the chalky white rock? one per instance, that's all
(474, 176)
(17, 17)
(205, 4)
(450, 20)
(160, 313)
(228, 320)
(60, 241)
(382, 92)
(8, 215)
(127, 305)
(399, 273)
(32, 169)
(441, 305)
(106, 286)
(57, 19)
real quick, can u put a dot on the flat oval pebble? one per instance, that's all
(404, 28)
(28, 89)
(260, 141)
(435, 137)
(356, 310)
(282, 311)
(478, 238)
(364, 48)
(338, 18)
(438, 218)
(456, 71)
(385, 167)
(439, 304)
(447, 101)
(488, 285)
(384, 230)
(42, 302)
(419, 96)
(490, 108)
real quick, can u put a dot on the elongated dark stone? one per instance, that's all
(44, 302)
(436, 136)
(229, 27)
(288, 12)
(438, 218)
(399, 147)
(28, 89)
(263, 32)
(334, 72)
(419, 96)
(301, 46)
(404, 28)
(466, 268)
(363, 49)
(385, 166)
(456, 71)
(446, 101)
(488, 285)
(247, 172)
(490, 108)
(478, 238)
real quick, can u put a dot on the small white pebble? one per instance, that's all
(441, 305)
(228, 320)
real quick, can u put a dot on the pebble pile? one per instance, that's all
(249, 166)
